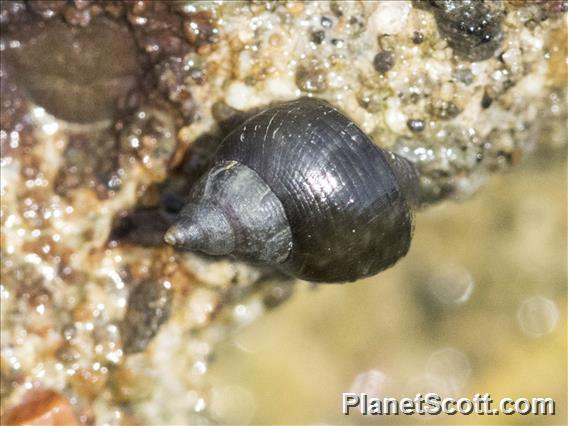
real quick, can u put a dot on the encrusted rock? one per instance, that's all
(42, 407)
(88, 74)
(472, 28)
(148, 308)
(112, 110)
(90, 160)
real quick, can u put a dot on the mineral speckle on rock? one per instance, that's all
(90, 160)
(148, 308)
(326, 22)
(383, 61)
(416, 125)
(112, 110)
(465, 75)
(150, 136)
(318, 36)
(311, 77)
(486, 101)
(417, 37)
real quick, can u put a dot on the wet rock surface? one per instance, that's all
(90, 160)
(473, 29)
(100, 142)
(42, 406)
(87, 75)
(148, 308)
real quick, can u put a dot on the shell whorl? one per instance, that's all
(342, 197)
(232, 211)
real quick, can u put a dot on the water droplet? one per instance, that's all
(450, 365)
(452, 285)
(373, 382)
(538, 316)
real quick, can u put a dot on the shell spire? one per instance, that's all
(233, 212)
(203, 228)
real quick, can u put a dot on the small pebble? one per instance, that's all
(326, 22)
(486, 101)
(148, 308)
(337, 42)
(417, 37)
(318, 36)
(452, 110)
(384, 61)
(416, 125)
(311, 78)
(465, 76)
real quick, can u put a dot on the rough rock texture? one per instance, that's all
(473, 29)
(93, 169)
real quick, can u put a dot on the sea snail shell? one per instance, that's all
(299, 186)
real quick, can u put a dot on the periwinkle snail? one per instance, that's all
(299, 186)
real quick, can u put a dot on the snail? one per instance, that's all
(300, 187)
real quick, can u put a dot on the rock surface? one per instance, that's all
(93, 172)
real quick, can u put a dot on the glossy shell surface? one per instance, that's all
(342, 194)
